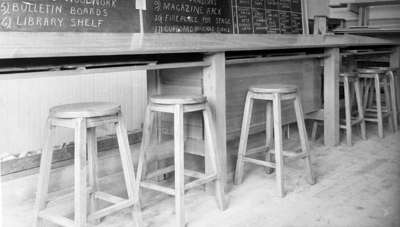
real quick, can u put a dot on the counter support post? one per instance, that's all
(214, 90)
(395, 62)
(331, 97)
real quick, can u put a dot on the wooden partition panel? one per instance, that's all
(306, 74)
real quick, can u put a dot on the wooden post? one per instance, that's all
(320, 25)
(395, 62)
(214, 90)
(331, 97)
(304, 10)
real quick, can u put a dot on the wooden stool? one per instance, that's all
(273, 94)
(374, 79)
(349, 121)
(178, 105)
(84, 118)
(394, 76)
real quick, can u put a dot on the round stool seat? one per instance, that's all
(385, 68)
(371, 71)
(177, 99)
(273, 88)
(348, 74)
(85, 110)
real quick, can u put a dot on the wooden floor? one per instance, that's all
(356, 186)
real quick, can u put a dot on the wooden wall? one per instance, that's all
(25, 104)
(306, 74)
(379, 15)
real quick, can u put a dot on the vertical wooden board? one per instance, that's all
(214, 84)
(331, 97)
(395, 62)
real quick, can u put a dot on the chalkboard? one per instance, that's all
(114, 16)
(267, 16)
(188, 16)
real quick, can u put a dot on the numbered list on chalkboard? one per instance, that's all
(188, 16)
(69, 16)
(267, 16)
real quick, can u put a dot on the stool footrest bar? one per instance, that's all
(259, 162)
(156, 187)
(200, 181)
(257, 150)
(57, 219)
(111, 209)
(108, 197)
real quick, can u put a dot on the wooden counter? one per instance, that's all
(29, 45)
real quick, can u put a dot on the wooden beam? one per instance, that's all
(214, 89)
(331, 97)
(274, 59)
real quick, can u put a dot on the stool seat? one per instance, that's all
(177, 99)
(273, 88)
(385, 68)
(371, 71)
(348, 74)
(85, 110)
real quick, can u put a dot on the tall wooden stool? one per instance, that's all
(349, 80)
(394, 76)
(178, 105)
(273, 94)
(84, 118)
(374, 80)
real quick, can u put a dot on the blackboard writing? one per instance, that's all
(268, 16)
(69, 16)
(188, 16)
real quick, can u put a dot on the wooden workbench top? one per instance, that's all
(29, 45)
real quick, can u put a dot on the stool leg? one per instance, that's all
(278, 143)
(393, 99)
(268, 134)
(305, 145)
(44, 174)
(314, 130)
(370, 100)
(80, 194)
(92, 164)
(378, 106)
(360, 109)
(127, 166)
(366, 92)
(347, 108)
(244, 134)
(179, 166)
(388, 103)
(142, 162)
(214, 158)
